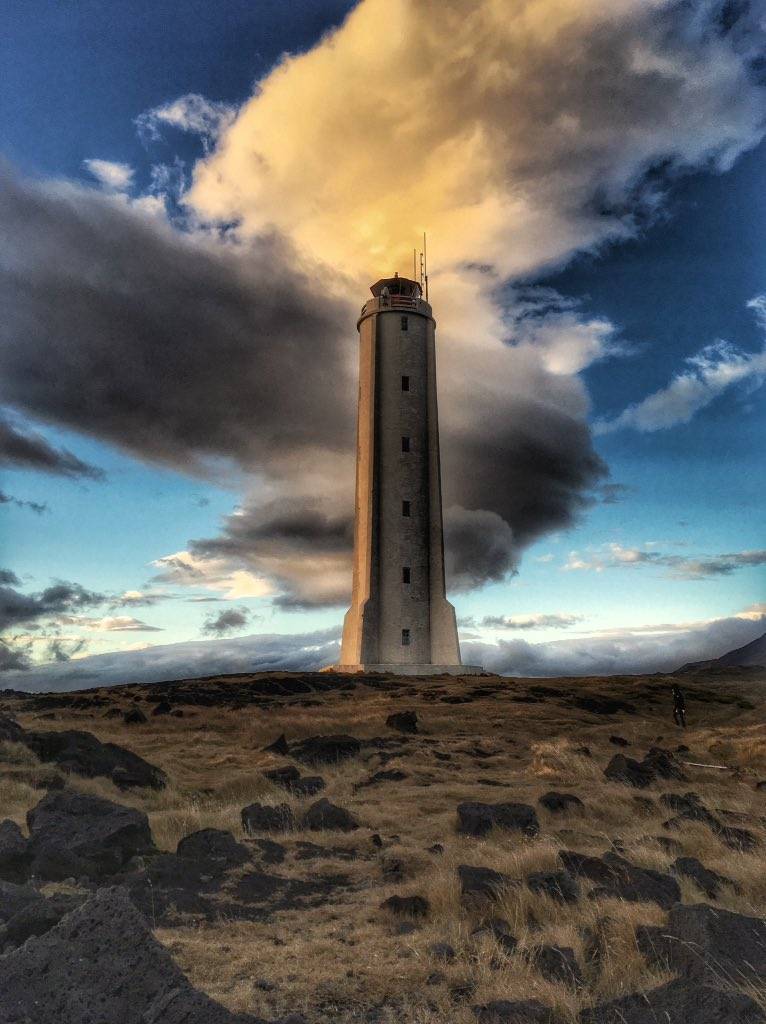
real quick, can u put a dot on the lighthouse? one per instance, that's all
(400, 619)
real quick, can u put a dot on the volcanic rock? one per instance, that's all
(678, 1002)
(279, 746)
(708, 881)
(325, 815)
(77, 834)
(526, 1011)
(407, 906)
(558, 885)
(83, 754)
(101, 963)
(134, 717)
(214, 847)
(318, 750)
(477, 819)
(559, 802)
(403, 721)
(261, 818)
(14, 853)
(628, 772)
(482, 882)
(558, 964)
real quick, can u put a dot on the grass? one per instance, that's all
(330, 961)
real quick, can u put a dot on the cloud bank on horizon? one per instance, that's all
(518, 139)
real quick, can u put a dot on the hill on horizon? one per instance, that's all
(752, 655)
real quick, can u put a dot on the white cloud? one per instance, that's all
(110, 624)
(709, 373)
(629, 651)
(219, 574)
(701, 567)
(538, 620)
(190, 113)
(113, 176)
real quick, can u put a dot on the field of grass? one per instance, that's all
(347, 959)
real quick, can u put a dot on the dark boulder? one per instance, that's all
(385, 775)
(628, 772)
(101, 963)
(214, 847)
(403, 721)
(663, 764)
(619, 741)
(484, 883)
(638, 885)
(77, 834)
(477, 819)
(36, 918)
(283, 776)
(688, 806)
(558, 885)
(10, 730)
(279, 746)
(498, 929)
(318, 750)
(558, 964)
(307, 785)
(678, 1002)
(525, 1011)
(584, 866)
(261, 818)
(325, 815)
(442, 951)
(14, 898)
(708, 944)
(14, 852)
(407, 906)
(134, 717)
(163, 708)
(560, 802)
(83, 754)
(708, 881)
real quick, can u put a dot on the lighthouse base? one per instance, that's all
(410, 670)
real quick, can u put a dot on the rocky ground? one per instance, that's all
(321, 848)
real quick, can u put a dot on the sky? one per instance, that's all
(194, 201)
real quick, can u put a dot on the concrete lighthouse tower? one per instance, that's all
(399, 619)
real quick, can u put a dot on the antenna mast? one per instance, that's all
(425, 264)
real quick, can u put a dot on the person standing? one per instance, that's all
(679, 706)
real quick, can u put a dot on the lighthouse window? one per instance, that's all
(404, 323)
(405, 508)
(405, 383)
(405, 574)
(405, 444)
(405, 638)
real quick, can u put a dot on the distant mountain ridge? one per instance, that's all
(749, 656)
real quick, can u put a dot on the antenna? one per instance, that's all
(425, 264)
(414, 254)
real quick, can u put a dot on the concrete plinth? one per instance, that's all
(410, 670)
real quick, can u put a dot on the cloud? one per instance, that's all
(110, 624)
(190, 113)
(550, 130)
(260, 652)
(622, 652)
(58, 599)
(9, 578)
(114, 176)
(539, 620)
(187, 569)
(60, 650)
(33, 506)
(228, 621)
(679, 567)
(139, 599)
(709, 373)
(32, 451)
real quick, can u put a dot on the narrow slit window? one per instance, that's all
(405, 574)
(405, 444)
(404, 323)
(405, 638)
(405, 383)
(405, 508)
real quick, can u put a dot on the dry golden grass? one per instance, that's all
(330, 961)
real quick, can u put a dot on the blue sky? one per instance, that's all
(646, 254)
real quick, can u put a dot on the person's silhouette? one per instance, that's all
(679, 706)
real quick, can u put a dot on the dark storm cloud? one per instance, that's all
(14, 656)
(8, 578)
(29, 450)
(178, 347)
(61, 598)
(226, 622)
